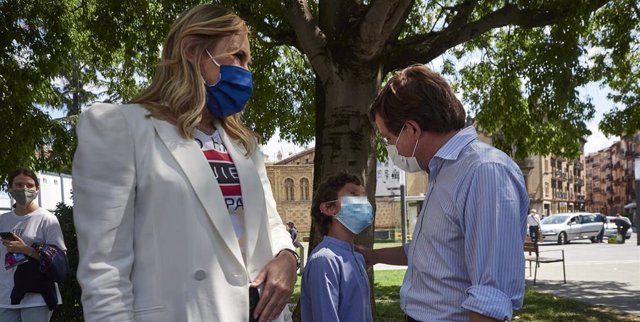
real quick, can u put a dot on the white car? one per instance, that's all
(564, 227)
(610, 228)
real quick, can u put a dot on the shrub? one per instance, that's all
(71, 308)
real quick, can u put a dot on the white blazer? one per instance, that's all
(155, 238)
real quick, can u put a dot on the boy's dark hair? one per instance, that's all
(328, 191)
(24, 172)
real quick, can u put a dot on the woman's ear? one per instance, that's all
(328, 208)
(187, 48)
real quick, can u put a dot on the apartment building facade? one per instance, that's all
(555, 184)
(610, 178)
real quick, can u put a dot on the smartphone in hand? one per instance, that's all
(7, 235)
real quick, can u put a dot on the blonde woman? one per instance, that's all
(173, 209)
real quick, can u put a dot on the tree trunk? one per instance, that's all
(345, 138)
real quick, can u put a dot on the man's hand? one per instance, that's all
(279, 278)
(369, 254)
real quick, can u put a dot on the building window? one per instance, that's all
(304, 189)
(546, 189)
(288, 189)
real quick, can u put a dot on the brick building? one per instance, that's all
(610, 178)
(292, 184)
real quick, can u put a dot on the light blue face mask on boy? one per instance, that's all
(355, 214)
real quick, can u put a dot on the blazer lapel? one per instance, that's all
(204, 183)
(252, 190)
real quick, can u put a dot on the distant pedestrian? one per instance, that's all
(533, 220)
(601, 218)
(294, 234)
(623, 226)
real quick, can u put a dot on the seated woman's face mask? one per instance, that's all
(23, 196)
(355, 214)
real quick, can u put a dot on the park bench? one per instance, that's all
(534, 258)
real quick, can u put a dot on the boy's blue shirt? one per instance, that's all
(335, 286)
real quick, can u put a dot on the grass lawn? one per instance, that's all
(537, 306)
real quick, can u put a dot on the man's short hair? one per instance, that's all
(417, 93)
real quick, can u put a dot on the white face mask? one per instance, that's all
(409, 164)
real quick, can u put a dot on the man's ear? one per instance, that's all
(416, 131)
(328, 208)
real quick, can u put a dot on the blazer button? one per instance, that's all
(199, 275)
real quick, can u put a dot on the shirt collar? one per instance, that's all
(451, 150)
(339, 243)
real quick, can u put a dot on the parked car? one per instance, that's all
(610, 228)
(564, 227)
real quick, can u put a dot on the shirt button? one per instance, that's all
(199, 275)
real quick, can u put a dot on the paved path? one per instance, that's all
(601, 274)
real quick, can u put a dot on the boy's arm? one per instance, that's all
(322, 277)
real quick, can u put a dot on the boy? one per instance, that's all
(335, 286)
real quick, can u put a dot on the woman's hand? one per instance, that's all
(16, 245)
(279, 278)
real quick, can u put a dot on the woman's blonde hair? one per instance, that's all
(177, 92)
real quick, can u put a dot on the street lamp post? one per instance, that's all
(403, 215)
(636, 220)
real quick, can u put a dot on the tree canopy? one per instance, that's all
(318, 64)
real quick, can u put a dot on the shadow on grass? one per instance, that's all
(388, 303)
(540, 306)
(608, 296)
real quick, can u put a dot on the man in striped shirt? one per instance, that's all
(466, 260)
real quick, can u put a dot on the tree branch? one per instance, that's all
(382, 21)
(464, 12)
(311, 39)
(277, 36)
(426, 47)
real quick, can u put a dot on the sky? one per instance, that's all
(595, 142)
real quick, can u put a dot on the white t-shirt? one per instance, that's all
(227, 175)
(533, 220)
(39, 226)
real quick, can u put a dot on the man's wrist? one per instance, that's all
(295, 255)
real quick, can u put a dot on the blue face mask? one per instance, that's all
(232, 91)
(355, 214)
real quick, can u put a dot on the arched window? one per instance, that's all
(304, 189)
(288, 188)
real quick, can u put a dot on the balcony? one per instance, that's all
(578, 165)
(560, 195)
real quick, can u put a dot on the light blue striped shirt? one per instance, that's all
(467, 249)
